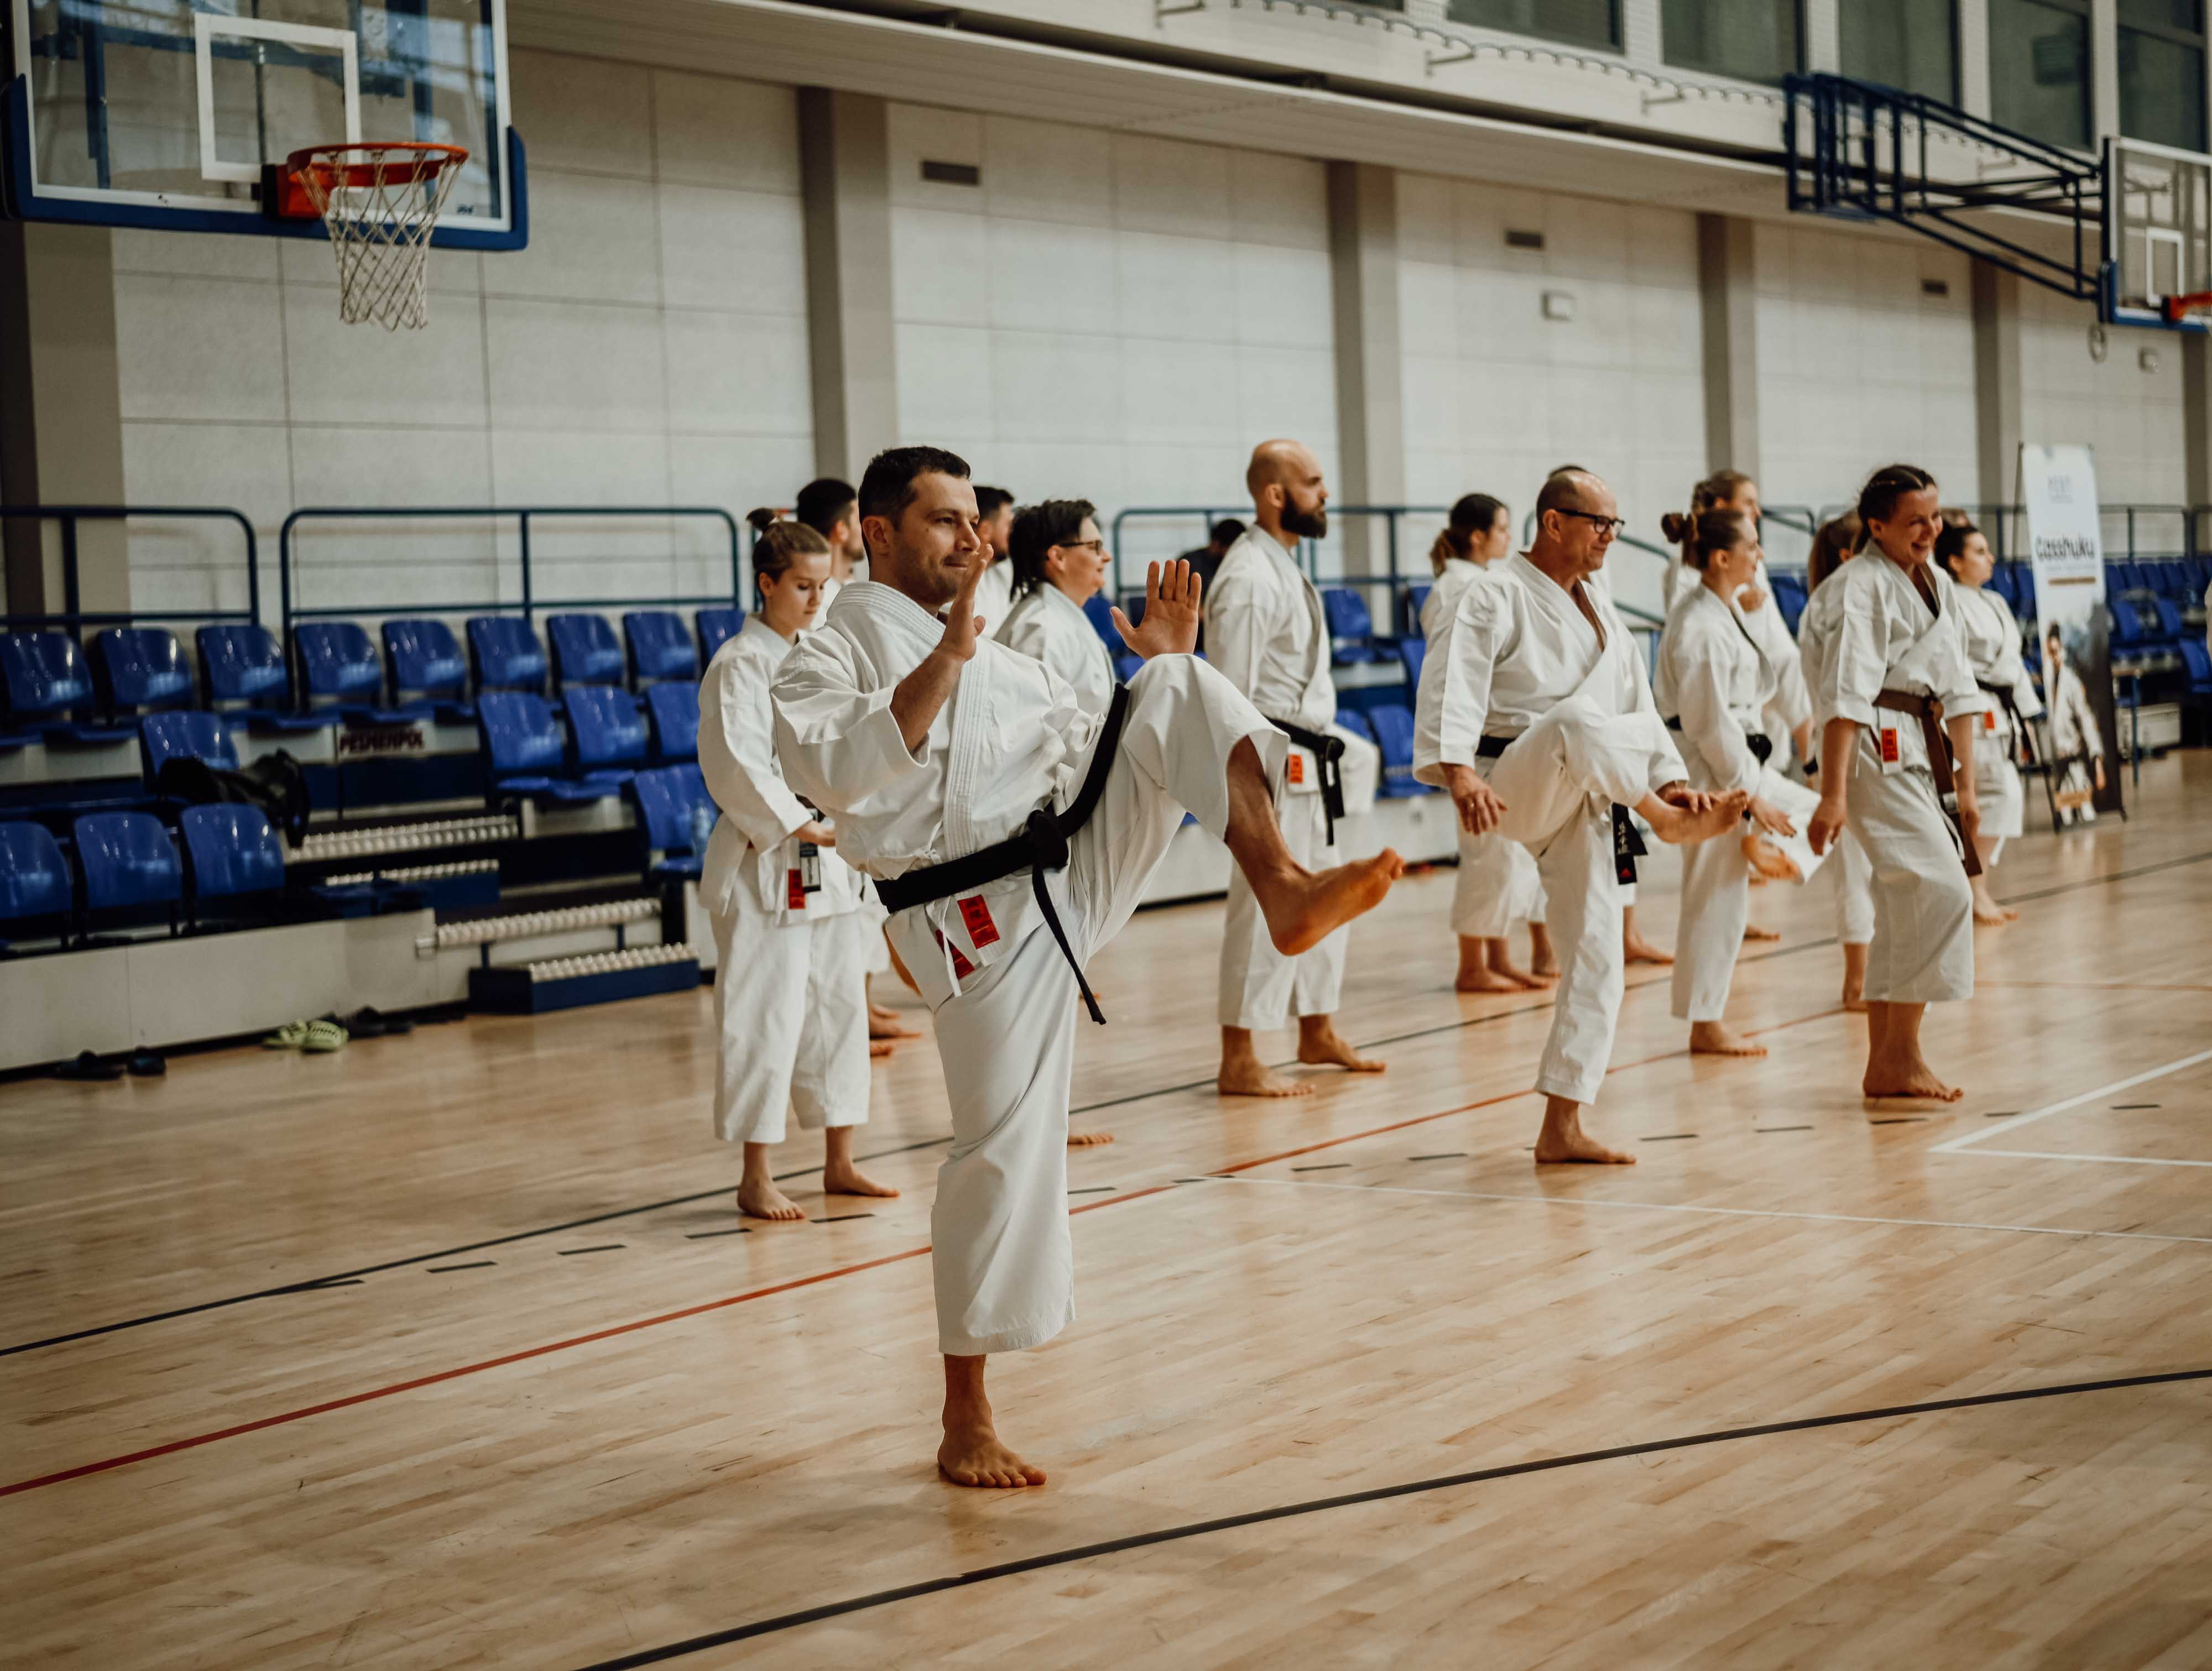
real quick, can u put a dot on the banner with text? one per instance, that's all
(2058, 487)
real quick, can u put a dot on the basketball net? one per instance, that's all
(379, 201)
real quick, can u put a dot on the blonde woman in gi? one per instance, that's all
(791, 1004)
(1992, 638)
(1497, 884)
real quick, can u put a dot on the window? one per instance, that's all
(1756, 39)
(1579, 22)
(1908, 43)
(2162, 71)
(2039, 69)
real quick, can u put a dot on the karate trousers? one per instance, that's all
(1003, 1259)
(1498, 887)
(1717, 895)
(1998, 788)
(1260, 988)
(790, 1015)
(1923, 907)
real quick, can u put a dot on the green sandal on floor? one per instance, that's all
(290, 1037)
(323, 1038)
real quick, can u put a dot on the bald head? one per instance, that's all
(1575, 521)
(1290, 499)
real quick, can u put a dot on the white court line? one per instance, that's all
(2011, 1126)
(2113, 1160)
(1725, 1212)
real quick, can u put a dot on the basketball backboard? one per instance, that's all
(2158, 231)
(164, 113)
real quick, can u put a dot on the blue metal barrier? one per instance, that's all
(73, 616)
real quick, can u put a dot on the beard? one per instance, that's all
(1306, 524)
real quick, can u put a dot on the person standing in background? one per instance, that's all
(995, 522)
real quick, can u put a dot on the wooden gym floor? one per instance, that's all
(450, 1351)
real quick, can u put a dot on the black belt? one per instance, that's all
(1040, 846)
(1762, 745)
(2025, 743)
(1628, 843)
(1328, 752)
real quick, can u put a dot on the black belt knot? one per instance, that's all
(1328, 752)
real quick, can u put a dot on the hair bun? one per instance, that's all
(1675, 526)
(762, 517)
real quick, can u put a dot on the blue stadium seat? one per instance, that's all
(508, 655)
(2127, 632)
(166, 737)
(141, 670)
(1417, 599)
(608, 733)
(48, 689)
(2196, 662)
(129, 863)
(1351, 628)
(427, 666)
(669, 799)
(525, 753)
(1125, 664)
(675, 710)
(242, 673)
(2002, 583)
(717, 627)
(34, 880)
(2169, 578)
(584, 651)
(660, 648)
(1101, 614)
(1790, 597)
(232, 851)
(340, 670)
(1412, 655)
(1393, 734)
(1352, 720)
(2171, 628)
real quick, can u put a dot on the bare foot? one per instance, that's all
(1752, 931)
(1480, 977)
(1253, 1078)
(884, 1023)
(850, 1180)
(1303, 908)
(1677, 825)
(1854, 1000)
(1089, 1139)
(1544, 970)
(1769, 860)
(1635, 949)
(1906, 1079)
(1320, 1045)
(1564, 1142)
(1714, 1038)
(763, 1199)
(972, 1455)
(880, 1047)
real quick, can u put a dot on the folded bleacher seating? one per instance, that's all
(2171, 628)
(1413, 655)
(242, 673)
(48, 690)
(671, 802)
(660, 648)
(341, 671)
(506, 653)
(524, 750)
(717, 627)
(36, 893)
(428, 666)
(140, 670)
(235, 856)
(2197, 663)
(128, 864)
(675, 711)
(585, 651)
(1351, 628)
(1100, 613)
(1790, 597)
(1393, 734)
(608, 732)
(188, 736)
(1417, 599)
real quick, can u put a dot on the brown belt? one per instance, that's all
(1930, 713)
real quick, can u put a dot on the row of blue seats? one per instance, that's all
(50, 692)
(2152, 626)
(127, 863)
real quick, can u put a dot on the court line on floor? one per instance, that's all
(1376, 1494)
(2107, 1160)
(1724, 1212)
(1973, 1140)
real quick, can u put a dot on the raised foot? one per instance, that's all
(851, 1181)
(1712, 1039)
(765, 1201)
(1256, 1079)
(1771, 862)
(1677, 825)
(1303, 908)
(976, 1458)
(1918, 1083)
(1089, 1139)
(1574, 1148)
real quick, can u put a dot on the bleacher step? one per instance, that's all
(372, 841)
(565, 983)
(492, 930)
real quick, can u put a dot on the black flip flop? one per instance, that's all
(88, 1067)
(147, 1064)
(370, 1023)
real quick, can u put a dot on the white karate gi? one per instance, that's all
(1848, 868)
(1517, 658)
(1012, 737)
(1265, 631)
(1789, 704)
(790, 999)
(2076, 741)
(1047, 624)
(995, 595)
(1497, 884)
(1885, 638)
(1992, 639)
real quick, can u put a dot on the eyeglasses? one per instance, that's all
(1607, 526)
(1097, 546)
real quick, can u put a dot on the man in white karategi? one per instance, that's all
(1894, 679)
(1265, 630)
(994, 594)
(1535, 713)
(1012, 833)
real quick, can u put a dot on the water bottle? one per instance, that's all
(702, 827)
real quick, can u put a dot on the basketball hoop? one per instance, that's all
(379, 201)
(2195, 305)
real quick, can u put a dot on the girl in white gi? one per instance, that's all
(1713, 685)
(1059, 564)
(2077, 745)
(1896, 670)
(1848, 867)
(1993, 651)
(1497, 884)
(791, 1004)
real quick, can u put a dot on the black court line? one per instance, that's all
(706, 1235)
(1901, 1119)
(604, 1247)
(1456, 1154)
(1670, 1137)
(1351, 1499)
(2003, 1114)
(310, 1283)
(1323, 1166)
(473, 1265)
(1781, 1128)
(844, 1218)
(2123, 1107)
(1097, 1189)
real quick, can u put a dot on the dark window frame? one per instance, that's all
(1617, 43)
(2086, 10)
(1797, 8)
(2198, 40)
(1956, 95)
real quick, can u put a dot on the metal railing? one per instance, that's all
(76, 617)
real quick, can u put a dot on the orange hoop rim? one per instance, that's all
(2177, 308)
(418, 160)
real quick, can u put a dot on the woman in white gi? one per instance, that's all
(1497, 884)
(1848, 867)
(1059, 564)
(1993, 651)
(2077, 745)
(1713, 685)
(791, 1004)
(1894, 661)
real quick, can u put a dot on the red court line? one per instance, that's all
(284, 1417)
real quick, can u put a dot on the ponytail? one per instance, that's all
(1836, 540)
(778, 543)
(1707, 534)
(1473, 515)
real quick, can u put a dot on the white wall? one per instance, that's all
(1108, 317)
(648, 348)
(1498, 396)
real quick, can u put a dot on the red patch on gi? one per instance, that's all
(962, 969)
(1888, 746)
(1297, 773)
(981, 931)
(795, 891)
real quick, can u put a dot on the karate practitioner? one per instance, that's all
(1265, 631)
(1012, 834)
(1849, 870)
(1497, 885)
(995, 596)
(1535, 713)
(1059, 564)
(1713, 683)
(790, 999)
(1895, 673)
(1992, 637)
(2077, 744)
